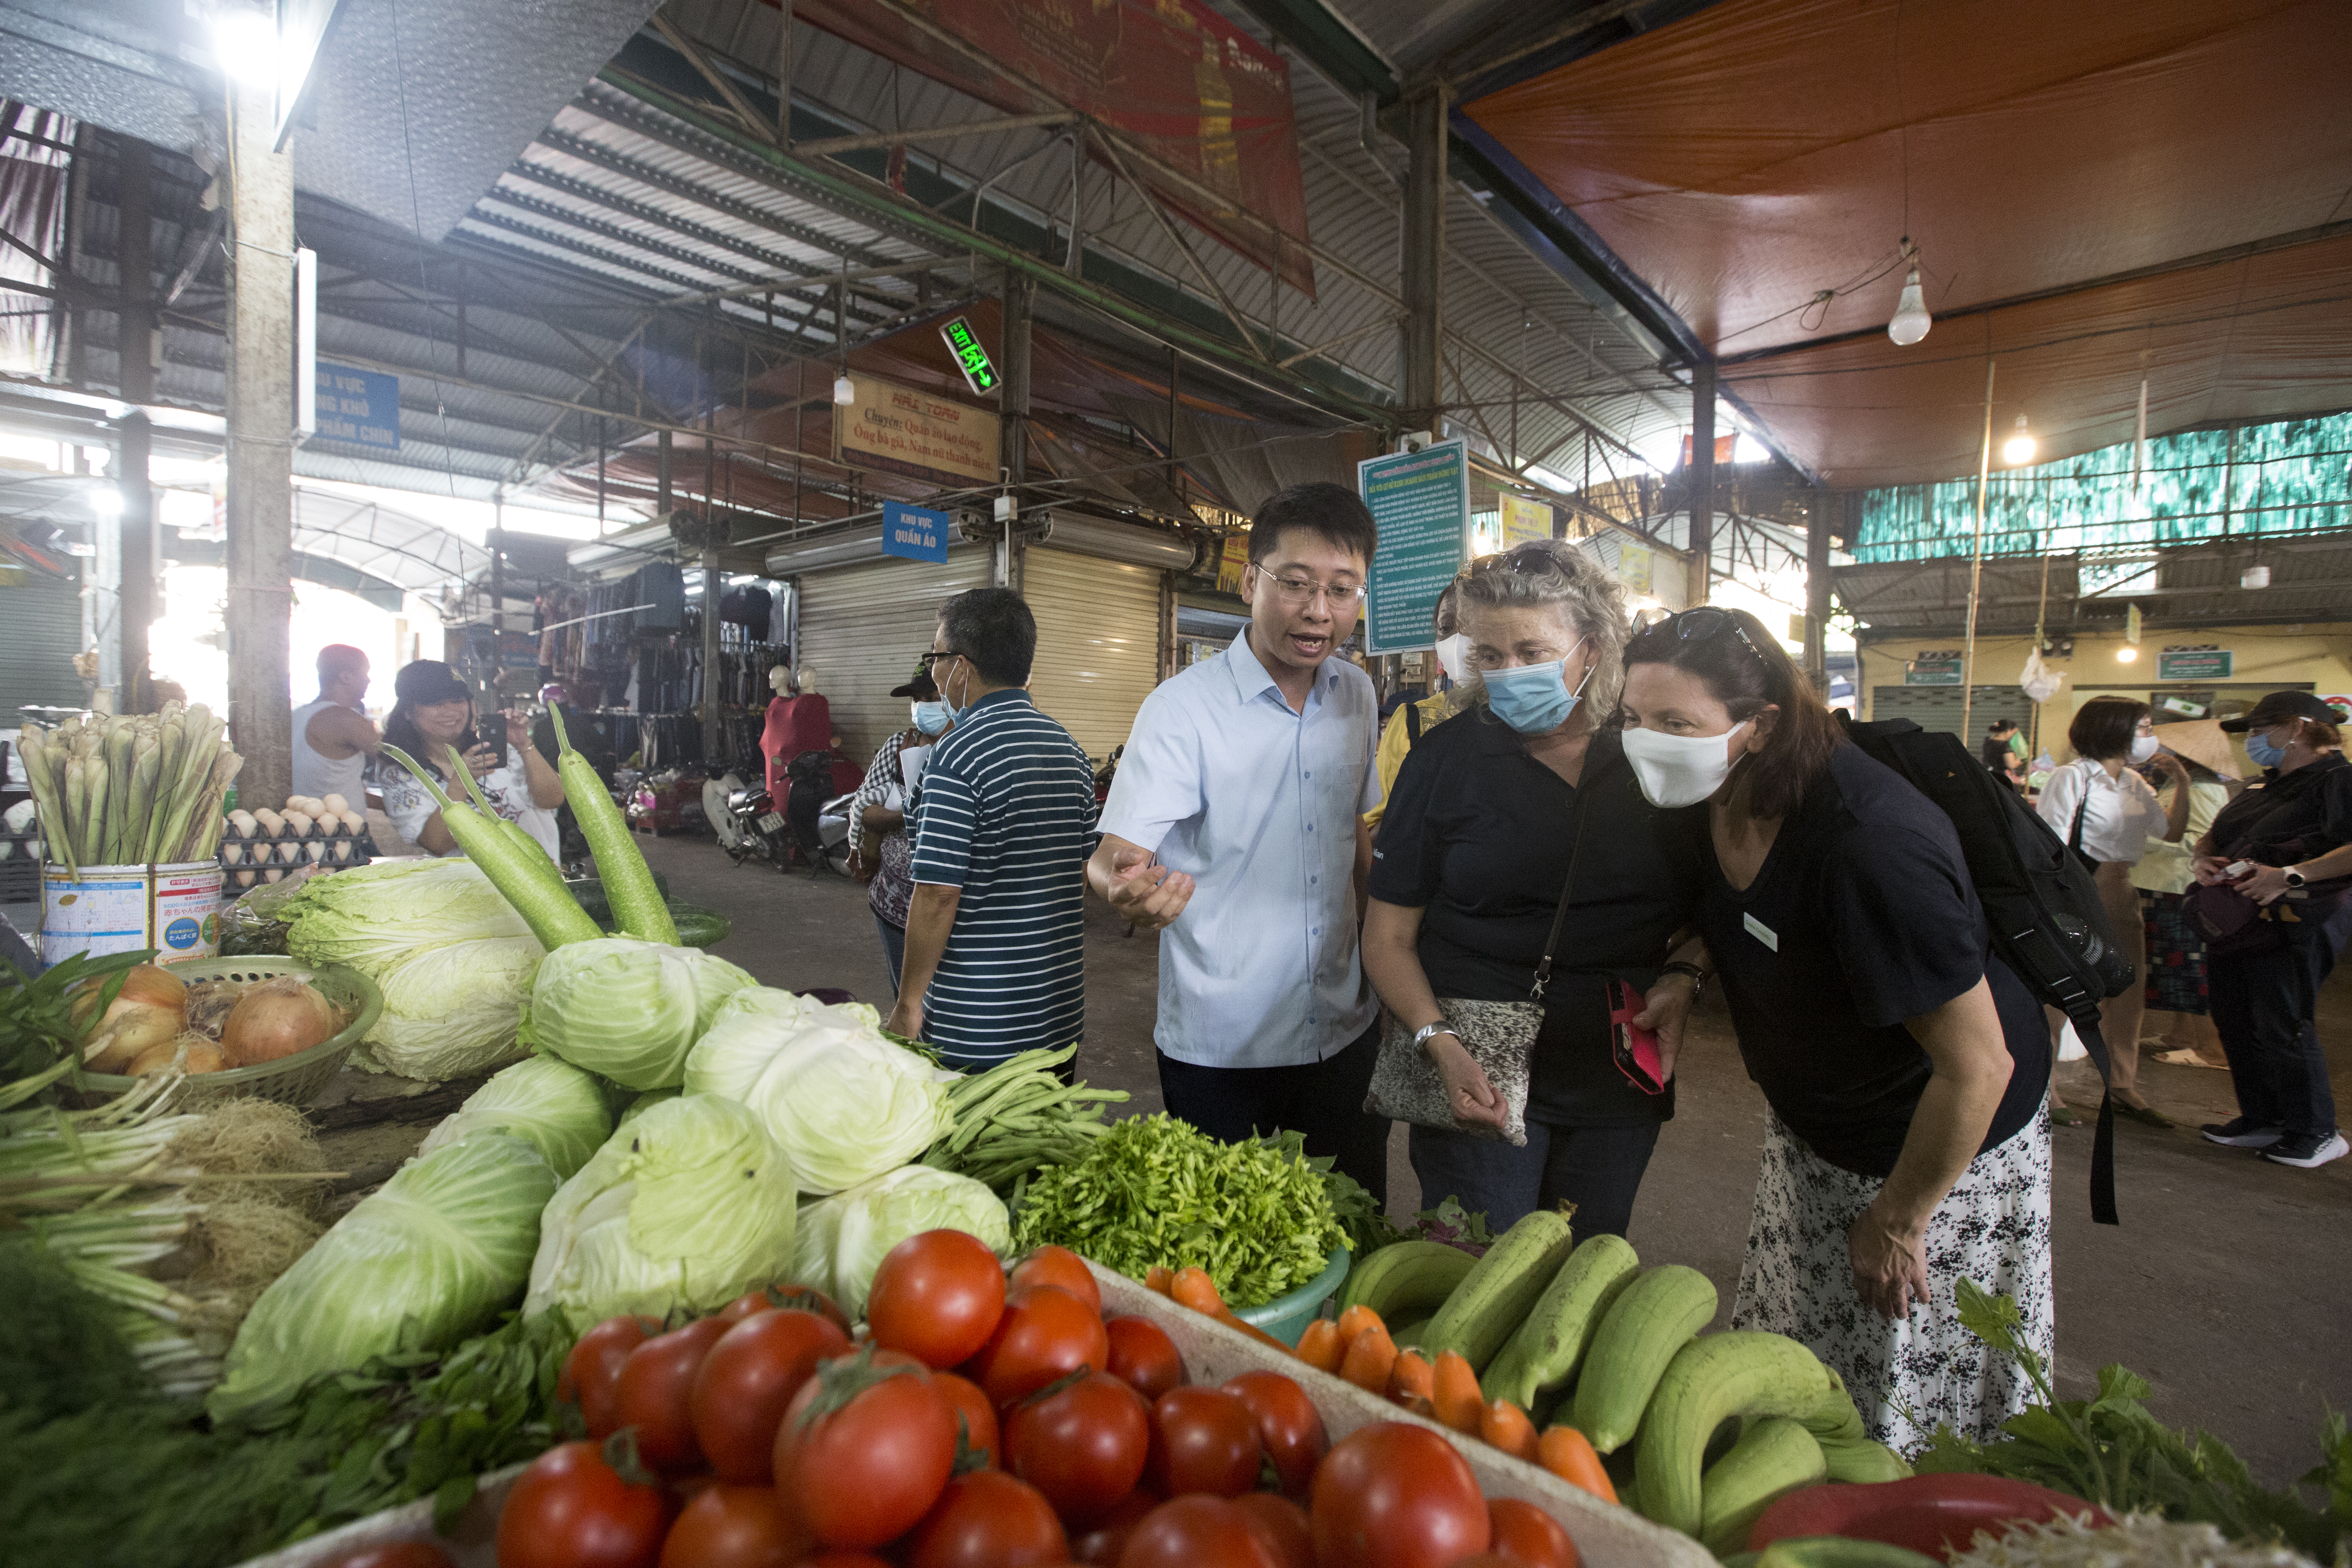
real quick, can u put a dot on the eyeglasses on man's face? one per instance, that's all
(1297, 591)
(928, 663)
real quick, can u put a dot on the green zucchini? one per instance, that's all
(1487, 1307)
(1652, 1318)
(1544, 1353)
(1711, 1379)
(1773, 1457)
(628, 880)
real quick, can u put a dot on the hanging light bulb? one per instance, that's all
(2018, 448)
(845, 391)
(1911, 319)
(2126, 654)
(2254, 577)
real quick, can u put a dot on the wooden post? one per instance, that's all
(1702, 477)
(1976, 565)
(1817, 590)
(1423, 263)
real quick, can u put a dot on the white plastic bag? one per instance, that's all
(2038, 680)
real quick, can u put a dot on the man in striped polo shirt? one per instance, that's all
(1003, 821)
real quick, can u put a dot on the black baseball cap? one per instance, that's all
(423, 682)
(921, 687)
(2278, 708)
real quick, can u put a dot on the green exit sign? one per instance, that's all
(970, 358)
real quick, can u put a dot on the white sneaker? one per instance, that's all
(2307, 1153)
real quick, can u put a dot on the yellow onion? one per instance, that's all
(147, 1011)
(275, 1018)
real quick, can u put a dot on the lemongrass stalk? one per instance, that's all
(121, 739)
(44, 769)
(170, 740)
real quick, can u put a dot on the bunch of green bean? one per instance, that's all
(1019, 1117)
(117, 790)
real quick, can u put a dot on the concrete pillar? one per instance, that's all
(134, 334)
(1826, 506)
(1702, 477)
(711, 591)
(1013, 407)
(1423, 265)
(260, 451)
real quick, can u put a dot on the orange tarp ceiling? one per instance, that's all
(1746, 158)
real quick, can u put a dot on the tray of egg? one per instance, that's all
(262, 846)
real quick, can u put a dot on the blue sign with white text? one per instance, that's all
(913, 532)
(358, 408)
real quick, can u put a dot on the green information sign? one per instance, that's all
(971, 359)
(1932, 672)
(1421, 502)
(2194, 664)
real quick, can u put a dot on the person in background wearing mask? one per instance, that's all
(1413, 719)
(879, 847)
(1903, 1062)
(2098, 802)
(1003, 813)
(1235, 829)
(2177, 995)
(2296, 831)
(1491, 812)
(332, 737)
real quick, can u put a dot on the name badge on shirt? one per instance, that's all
(1761, 931)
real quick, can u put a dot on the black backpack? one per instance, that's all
(2047, 921)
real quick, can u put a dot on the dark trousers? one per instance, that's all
(894, 948)
(2265, 1005)
(1597, 1168)
(1323, 1099)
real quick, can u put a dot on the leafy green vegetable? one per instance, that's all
(452, 1009)
(844, 1103)
(1154, 1190)
(2112, 1450)
(66, 1351)
(625, 1009)
(37, 1026)
(688, 1205)
(372, 916)
(551, 1105)
(414, 1268)
(861, 1225)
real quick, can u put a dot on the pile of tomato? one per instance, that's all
(983, 1421)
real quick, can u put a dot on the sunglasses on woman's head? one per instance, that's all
(1529, 560)
(1693, 625)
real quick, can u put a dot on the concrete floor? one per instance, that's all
(2227, 1286)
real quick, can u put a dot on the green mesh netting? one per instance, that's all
(2293, 477)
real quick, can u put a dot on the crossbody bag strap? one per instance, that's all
(2082, 803)
(1567, 887)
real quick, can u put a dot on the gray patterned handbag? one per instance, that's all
(1500, 1035)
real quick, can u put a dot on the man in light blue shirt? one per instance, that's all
(1234, 826)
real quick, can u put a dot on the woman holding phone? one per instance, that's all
(1495, 811)
(433, 712)
(1903, 1064)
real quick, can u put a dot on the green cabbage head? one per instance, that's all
(371, 917)
(865, 1222)
(451, 1010)
(688, 1206)
(627, 1009)
(419, 1264)
(551, 1105)
(844, 1102)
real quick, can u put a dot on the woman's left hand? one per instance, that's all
(1669, 1008)
(2263, 884)
(1890, 1265)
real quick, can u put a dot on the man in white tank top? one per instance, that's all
(332, 738)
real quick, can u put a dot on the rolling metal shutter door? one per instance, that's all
(1097, 643)
(40, 629)
(1938, 708)
(862, 629)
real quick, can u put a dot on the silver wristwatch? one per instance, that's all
(2294, 877)
(1423, 1036)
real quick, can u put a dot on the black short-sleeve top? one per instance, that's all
(1862, 917)
(2290, 818)
(1477, 836)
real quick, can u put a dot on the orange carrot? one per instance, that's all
(1370, 1359)
(1320, 1346)
(1409, 1377)
(1192, 1288)
(1355, 1320)
(1568, 1453)
(1506, 1427)
(1159, 1279)
(1453, 1390)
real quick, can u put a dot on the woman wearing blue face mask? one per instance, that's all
(1490, 813)
(880, 849)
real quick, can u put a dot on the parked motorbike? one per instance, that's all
(752, 824)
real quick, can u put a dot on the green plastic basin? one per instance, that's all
(1286, 1317)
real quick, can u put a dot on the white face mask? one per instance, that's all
(1453, 657)
(1680, 769)
(2144, 748)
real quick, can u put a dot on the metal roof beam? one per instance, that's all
(613, 201)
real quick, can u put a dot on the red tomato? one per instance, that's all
(735, 1527)
(981, 1433)
(1526, 1534)
(844, 1560)
(1083, 1446)
(1060, 1268)
(790, 1298)
(392, 1554)
(594, 1366)
(1392, 1495)
(571, 1510)
(865, 1465)
(654, 1393)
(1143, 1356)
(1103, 1544)
(1203, 1440)
(1195, 1531)
(1282, 1525)
(1287, 1424)
(1046, 1333)
(745, 1383)
(988, 1520)
(937, 1296)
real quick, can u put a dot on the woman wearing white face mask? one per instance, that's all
(1410, 722)
(2098, 802)
(879, 847)
(1904, 1063)
(1494, 813)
